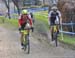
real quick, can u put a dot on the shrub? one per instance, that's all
(67, 8)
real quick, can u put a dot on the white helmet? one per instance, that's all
(54, 7)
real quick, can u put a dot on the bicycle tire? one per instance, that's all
(55, 38)
(28, 44)
(25, 47)
(28, 48)
(52, 37)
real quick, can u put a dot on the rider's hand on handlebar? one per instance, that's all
(19, 28)
(32, 29)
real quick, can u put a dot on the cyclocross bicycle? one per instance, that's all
(54, 34)
(26, 41)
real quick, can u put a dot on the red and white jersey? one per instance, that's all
(24, 18)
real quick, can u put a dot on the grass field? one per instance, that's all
(9, 23)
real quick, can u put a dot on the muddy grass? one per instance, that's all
(41, 37)
(45, 39)
(67, 45)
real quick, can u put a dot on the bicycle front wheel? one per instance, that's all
(28, 44)
(55, 38)
(28, 47)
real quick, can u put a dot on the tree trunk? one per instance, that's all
(17, 5)
(8, 7)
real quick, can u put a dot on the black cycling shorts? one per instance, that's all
(52, 23)
(22, 26)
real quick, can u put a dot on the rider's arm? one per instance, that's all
(60, 17)
(31, 23)
(19, 21)
(30, 20)
(49, 20)
(60, 20)
(49, 15)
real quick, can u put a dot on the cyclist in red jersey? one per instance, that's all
(23, 18)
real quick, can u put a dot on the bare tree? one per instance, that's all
(8, 7)
(16, 3)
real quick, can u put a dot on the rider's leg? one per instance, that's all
(51, 31)
(57, 29)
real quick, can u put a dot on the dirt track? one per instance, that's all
(10, 47)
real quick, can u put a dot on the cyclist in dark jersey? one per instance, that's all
(54, 17)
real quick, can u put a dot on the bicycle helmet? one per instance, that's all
(54, 8)
(24, 11)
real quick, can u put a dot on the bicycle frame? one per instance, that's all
(54, 33)
(26, 39)
(25, 33)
